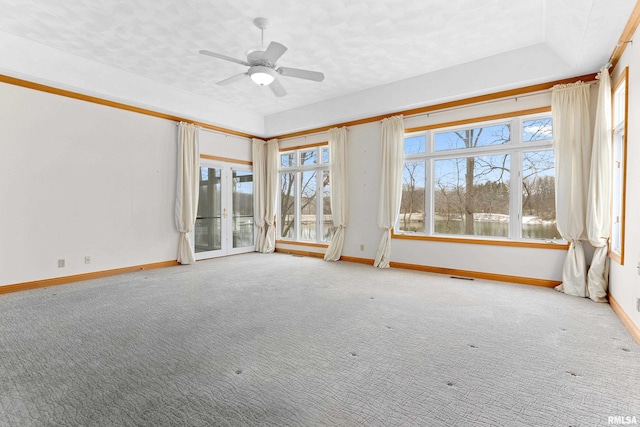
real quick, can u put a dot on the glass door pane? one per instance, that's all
(242, 205)
(208, 229)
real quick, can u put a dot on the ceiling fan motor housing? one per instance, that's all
(254, 56)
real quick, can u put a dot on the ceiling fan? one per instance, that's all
(262, 64)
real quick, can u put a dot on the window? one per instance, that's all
(619, 168)
(493, 179)
(304, 208)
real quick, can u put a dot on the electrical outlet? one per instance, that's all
(87, 260)
(60, 263)
(361, 248)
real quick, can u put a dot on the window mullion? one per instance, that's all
(319, 206)
(428, 197)
(515, 181)
(297, 206)
(279, 206)
(515, 196)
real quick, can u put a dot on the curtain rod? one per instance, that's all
(511, 98)
(492, 101)
(459, 107)
(312, 133)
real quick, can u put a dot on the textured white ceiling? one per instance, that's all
(357, 44)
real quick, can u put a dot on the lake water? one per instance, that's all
(545, 231)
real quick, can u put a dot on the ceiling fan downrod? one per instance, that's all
(261, 23)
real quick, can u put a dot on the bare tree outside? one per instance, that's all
(538, 183)
(471, 194)
(327, 220)
(484, 210)
(471, 185)
(413, 197)
(287, 204)
(308, 188)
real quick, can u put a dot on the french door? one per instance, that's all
(224, 224)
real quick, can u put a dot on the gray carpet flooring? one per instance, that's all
(279, 340)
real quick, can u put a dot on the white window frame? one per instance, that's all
(515, 148)
(319, 167)
(619, 112)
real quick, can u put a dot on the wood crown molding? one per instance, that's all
(448, 105)
(421, 110)
(625, 37)
(119, 105)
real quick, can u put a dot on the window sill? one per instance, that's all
(480, 241)
(297, 242)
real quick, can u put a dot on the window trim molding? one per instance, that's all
(622, 79)
(488, 150)
(319, 168)
(226, 159)
(302, 147)
(481, 241)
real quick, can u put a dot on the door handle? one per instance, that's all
(224, 212)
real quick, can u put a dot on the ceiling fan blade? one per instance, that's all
(225, 57)
(232, 79)
(274, 51)
(277, 88)
(301, 74)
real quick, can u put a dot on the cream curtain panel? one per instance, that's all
(572, 150)
(599, 196)
(258, 150)
(187, 189)
(338, 182)
(265, 182)
(271, 192)
(390, 184)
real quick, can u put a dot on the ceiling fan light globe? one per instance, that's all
(262, 79)
(262, 76)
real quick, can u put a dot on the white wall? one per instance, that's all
(624, 279)
(223, 145)
(81, 179)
